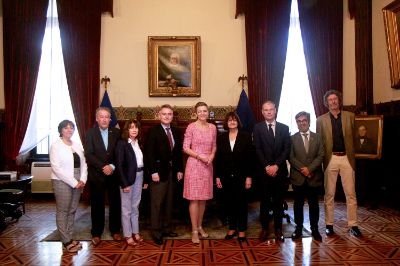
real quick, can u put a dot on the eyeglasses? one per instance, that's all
(301, 121)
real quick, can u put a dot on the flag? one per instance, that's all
(107, 103)
(245, 113)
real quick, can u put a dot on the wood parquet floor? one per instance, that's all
(20, 244)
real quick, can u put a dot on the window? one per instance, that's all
(52, 102)
(296, 94)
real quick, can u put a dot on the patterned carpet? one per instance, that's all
(20, 244)
(214, 226)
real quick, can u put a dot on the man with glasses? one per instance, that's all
(306, 156)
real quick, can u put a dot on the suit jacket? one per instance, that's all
(324, 128)
(97, 156)
(126, 164)
(368, 146)
(158, 155)
(237, 162)
(313, 160)
(271, 152)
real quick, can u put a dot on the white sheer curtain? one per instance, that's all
(296, 94)
(52, 102)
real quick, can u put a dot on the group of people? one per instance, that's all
(120, 165)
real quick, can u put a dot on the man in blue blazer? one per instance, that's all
(306, 176)
(99, 152)
(163, 160)
(272, 143)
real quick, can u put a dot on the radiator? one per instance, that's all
(41, 181)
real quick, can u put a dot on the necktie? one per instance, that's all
(171, 144)
(271, 131)
(306, 142)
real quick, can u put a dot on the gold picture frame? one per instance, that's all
(391, 18)
(174, 66)
(368, 136)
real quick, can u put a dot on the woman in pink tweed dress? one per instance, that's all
(200, 144)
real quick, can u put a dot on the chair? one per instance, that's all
(13, 196)
(14, 192)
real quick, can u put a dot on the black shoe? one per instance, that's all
(229, 237)
(354, 231)
(242, 238)
(316, 235)
(329, 230)
(158, 240)
(279, 236)
(169, 234)
(297, 233)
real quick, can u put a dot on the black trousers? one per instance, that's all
(161, 201)
(235, 195)
(99, 186)
(300, 194)
(273, 190)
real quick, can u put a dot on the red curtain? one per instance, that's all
(24, 23)
(322, 32)
(80, 28)
(363, 51)
(267, 28)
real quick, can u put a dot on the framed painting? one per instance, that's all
(368, 136)
(391, 18)
(174, 66)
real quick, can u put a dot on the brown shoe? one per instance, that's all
(96, 241)
(117, 237)
(263, 236)
(137, 237)
(130, 241)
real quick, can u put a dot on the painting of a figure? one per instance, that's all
(364, 143)
(174, 66)
(368, 136)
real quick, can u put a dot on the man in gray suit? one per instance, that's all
(306, 176)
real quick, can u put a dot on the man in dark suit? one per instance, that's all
(99, 151)
(306, 156)
(363, 143)
(272, 143)
(163, 159)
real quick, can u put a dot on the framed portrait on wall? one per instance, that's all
(391, 19)
(368, 136)
(174, 66)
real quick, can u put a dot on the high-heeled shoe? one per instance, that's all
(130, 241)
(230, 236)
(202, 232)
(77, 243)
(137, 237)
(71, 248)
(195, 237)
(242, 236)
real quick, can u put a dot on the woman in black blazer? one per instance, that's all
(129, 167)
(233, 169)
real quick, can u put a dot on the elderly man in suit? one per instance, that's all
(363, 143)
(163, 159)
(99, 151)
(272, 143)
(306, 156)
(337, 130)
